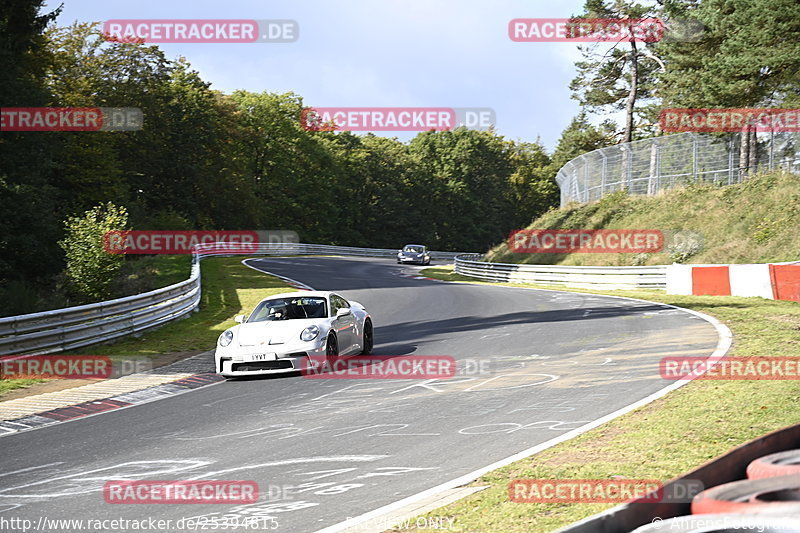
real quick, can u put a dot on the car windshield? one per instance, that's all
(289, 309)
(414, 249)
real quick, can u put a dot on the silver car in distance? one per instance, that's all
(414, 253)
(285, 331)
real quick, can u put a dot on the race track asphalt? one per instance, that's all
(535, 364)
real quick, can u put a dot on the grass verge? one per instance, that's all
(229, 288)
(753, 222)
(662, 440)
(7, 385)
(150, 272)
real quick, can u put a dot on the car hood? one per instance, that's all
(272, 332)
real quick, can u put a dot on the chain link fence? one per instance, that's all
(650, 165)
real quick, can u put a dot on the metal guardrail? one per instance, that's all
(586, 277)
(75, 327)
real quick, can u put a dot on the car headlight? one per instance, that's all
(226, 338)
(309, 334)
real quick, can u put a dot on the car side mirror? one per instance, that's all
(344, 311)
(240, 318)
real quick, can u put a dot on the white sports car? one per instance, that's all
(285, 331)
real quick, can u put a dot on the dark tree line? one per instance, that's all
(207, 160)
(714, 54)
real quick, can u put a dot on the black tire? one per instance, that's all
(368, 339)
(332, 349)
(749, 495)
(776, 464)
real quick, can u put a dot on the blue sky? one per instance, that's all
(361, 53)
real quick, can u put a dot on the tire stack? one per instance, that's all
(767, 501)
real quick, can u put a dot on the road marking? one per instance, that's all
(83, 482)
(723, 345)
(284, 462)
(31, 468)
(293, 282)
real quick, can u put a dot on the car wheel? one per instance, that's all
(367, 342)
(332, 349)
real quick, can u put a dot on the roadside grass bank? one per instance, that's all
(7, 385)
(662, 440)
(228, 288)
(138, 274)
(752, 222)
(151, 272)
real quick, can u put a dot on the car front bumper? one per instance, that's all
(240, 361)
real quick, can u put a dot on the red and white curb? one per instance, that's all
(773, 281)
(41, 410)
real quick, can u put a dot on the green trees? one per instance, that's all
(206, 160)
(28, 195)
(748, 56)
(89, 267)
(617, 76)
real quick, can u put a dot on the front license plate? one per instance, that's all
(263, 357)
